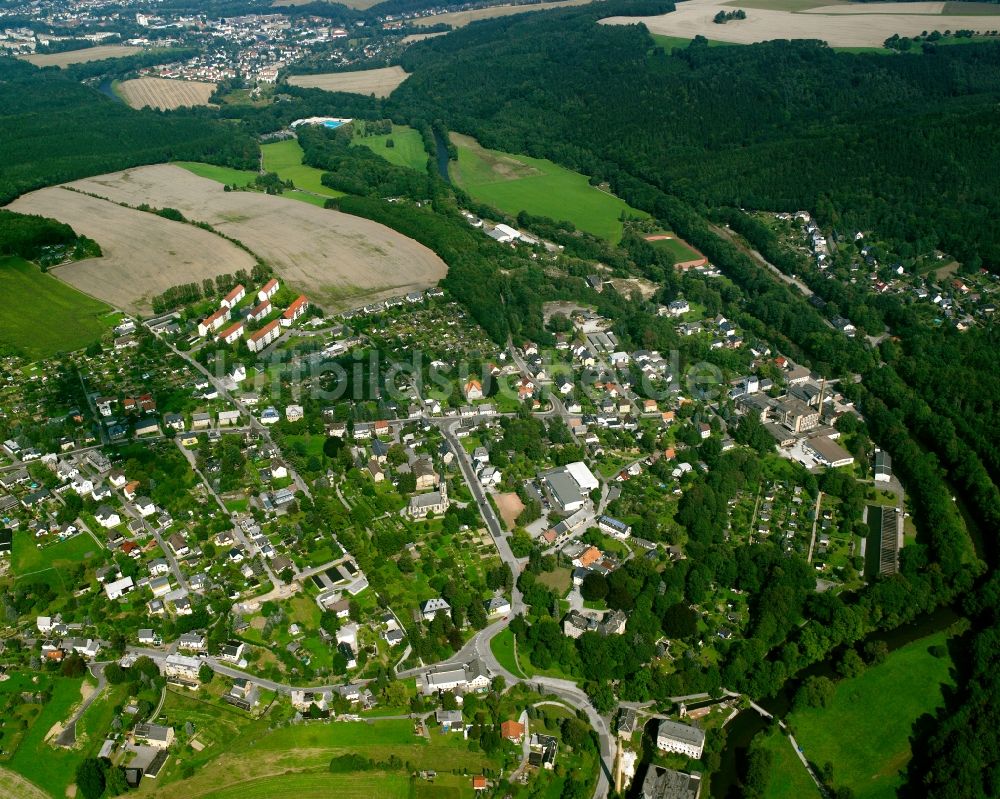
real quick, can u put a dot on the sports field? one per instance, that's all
(43, 316)
(515, 183)
(28, 558)
(866, 730)
(407, 150)
(285, 159)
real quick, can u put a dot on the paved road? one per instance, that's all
(486, 510)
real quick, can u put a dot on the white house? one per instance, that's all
(119, 588)
(672, 736)
(432, 607)
(268, 290)
(233, 297)
(213, 322)
(107, 517)
(266, 335)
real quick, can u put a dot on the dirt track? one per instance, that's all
(337, 259)
(144, 254)
(840, 26)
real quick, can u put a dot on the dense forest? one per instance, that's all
(865, 141)
(54, 129)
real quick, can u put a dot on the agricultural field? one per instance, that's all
(407, 150)
(671, 43)
(514, 183)
(380, 82)
(163, 93)
(14, 786)
(865, 732)
(285, 159)
(458, 19)
(48, 316)
(378, 784)
(81, 56)
(850, 25)
(335, 258)
(144, 254)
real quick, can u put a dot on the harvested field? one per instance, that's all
(81, 56)
(14, 786)
(380, 82)
(337, 259)
(510, 507)
(851, 25)
(144, 254)
(458, 19)
(419, 37)
(165, 94)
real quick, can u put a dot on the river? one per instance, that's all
(106, 87)
(742, 729)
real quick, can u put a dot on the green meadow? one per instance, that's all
(865, 732)
(285, 159)
(515, 183)
(407, 150)
(220, 174)
(44, 315)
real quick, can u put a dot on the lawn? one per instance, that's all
(220, 174)
(43, 315)
(28, 558)
(789, 778)
(502, 646)
(285, 158)
(515, 183)
(407, 150)
(866, 729)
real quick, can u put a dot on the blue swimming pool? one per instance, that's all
(333, 123)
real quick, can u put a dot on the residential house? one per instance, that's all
(268, 290)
